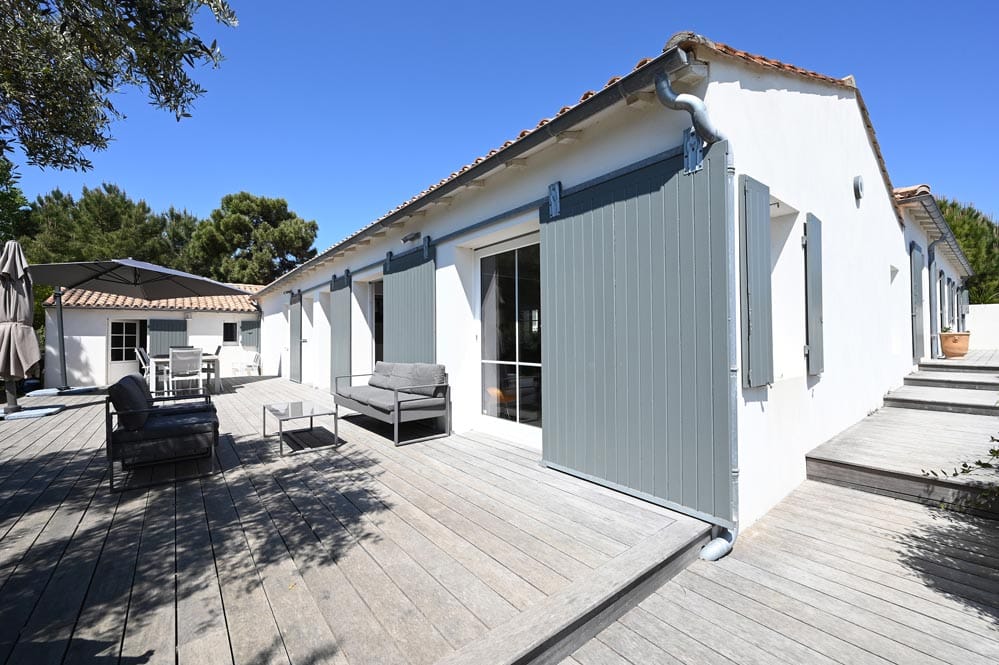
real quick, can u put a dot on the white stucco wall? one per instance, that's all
(87, 341)
(803, 139)
(983, 323)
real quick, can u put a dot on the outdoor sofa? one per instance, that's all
(142, 429)
(397, 393)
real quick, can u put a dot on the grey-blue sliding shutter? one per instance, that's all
(164, 333)
(916, 268)
(814, 346)
(757, 305)
(408, 298)
(339, 329)
(635, 339)
(295, 342)
(249, 334)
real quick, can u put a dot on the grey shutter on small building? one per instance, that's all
(249, 334)
(813, 295)
(757, 306)
(409, 301)
(916, 266)
(164, 333)
(339, 329)
(295, 343)
(635, 341)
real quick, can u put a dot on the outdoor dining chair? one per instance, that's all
(146, 365)
(186, 368)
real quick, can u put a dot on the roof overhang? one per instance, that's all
(924, 211)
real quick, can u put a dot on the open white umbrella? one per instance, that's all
(18, 343)
(124, 277)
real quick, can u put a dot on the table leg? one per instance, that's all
(310, 423)
(336, 423)
(264, 417)
(281, 437)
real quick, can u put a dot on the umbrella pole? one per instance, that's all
(62, 340)
(10, 385)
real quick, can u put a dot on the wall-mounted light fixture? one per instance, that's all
(858, 187)
(410, 237)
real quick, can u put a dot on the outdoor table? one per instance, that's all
(284, 411)
(164, 361)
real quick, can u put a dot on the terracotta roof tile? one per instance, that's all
(687, 39)
(82, 298)
(903, 193)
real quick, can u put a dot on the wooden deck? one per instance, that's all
(982, 360)
(831, 575)
(357, 553)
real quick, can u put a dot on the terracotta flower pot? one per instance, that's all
(954, 344)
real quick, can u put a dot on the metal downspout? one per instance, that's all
(934, 298)
(722, 544)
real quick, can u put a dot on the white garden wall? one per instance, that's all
(983, 324)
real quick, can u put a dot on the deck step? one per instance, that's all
(557, 626)
(933, 491)
(954, 379)
(951, 400)
(959, 365)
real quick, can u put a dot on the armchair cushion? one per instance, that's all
(127, 395)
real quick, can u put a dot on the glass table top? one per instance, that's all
(289, 410)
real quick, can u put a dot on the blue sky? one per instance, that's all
(348, 109)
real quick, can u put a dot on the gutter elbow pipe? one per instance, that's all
(692, 104)
(718, 547)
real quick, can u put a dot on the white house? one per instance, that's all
(677, 312)
(103, 330)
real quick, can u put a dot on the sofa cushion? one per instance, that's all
(402, 376)
(384, 400)
(127, 395)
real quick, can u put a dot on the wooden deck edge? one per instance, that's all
(951, 383)
(553, 629)
(936, 405)
(944, 366)
(937, 492)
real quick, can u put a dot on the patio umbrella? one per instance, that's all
(18, 343)
(123, 277)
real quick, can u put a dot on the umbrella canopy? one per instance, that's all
(18, 343)
(123, 277)
(128, 277)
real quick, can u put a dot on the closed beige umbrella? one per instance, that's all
(18, 343)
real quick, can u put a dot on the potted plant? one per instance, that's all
(953, 344)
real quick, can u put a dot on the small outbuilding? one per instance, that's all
(103, 330)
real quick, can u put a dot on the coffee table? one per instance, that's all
(285, 411)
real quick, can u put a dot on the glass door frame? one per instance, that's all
(501, 247)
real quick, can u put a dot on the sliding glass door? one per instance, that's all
(511, 334)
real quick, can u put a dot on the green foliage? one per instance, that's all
(62, 60)
(988, 492)
(978, 236)
(12, 202)
(251, 240)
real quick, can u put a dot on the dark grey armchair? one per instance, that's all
(142, 429)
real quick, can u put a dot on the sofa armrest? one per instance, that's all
(176, 398)
(396, 391)
(336, 379)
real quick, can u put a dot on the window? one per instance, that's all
(124, 339)
(230, 333)
(511, 335)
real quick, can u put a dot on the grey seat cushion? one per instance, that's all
(403, 375)
(170, 426)
(384, 399)
(127, 394)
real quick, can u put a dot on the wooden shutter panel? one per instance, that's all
(813, 295)
(757, 299)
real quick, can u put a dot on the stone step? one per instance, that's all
(959, 365)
